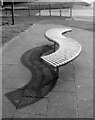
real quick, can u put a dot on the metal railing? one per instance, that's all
(37, 7)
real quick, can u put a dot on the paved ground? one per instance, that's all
(72, 96)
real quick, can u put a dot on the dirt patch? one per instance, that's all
(10, 31)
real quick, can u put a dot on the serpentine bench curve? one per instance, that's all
(68, 50)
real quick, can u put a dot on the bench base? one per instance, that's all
(57, 70)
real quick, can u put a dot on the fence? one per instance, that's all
(36, 8)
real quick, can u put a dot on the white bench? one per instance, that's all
(68, 50)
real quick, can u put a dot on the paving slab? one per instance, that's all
(74, 87)
(8, 110)
(15, 83)
(62, 105)
(62, 113)
(19, 71)
(84, 93)
(6, 70)
(65, 86)
(85, 109)
(84, 82)
(39, 108)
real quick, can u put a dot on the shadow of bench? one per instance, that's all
(42, 82)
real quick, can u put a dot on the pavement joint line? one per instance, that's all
(47, 108)
(76, 91)
(9, 63)
(62, 92)
(40, 114)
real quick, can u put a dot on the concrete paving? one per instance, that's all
(72, 96)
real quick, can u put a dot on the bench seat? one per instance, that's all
(68, 50)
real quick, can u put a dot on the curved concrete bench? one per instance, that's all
(68, 50)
